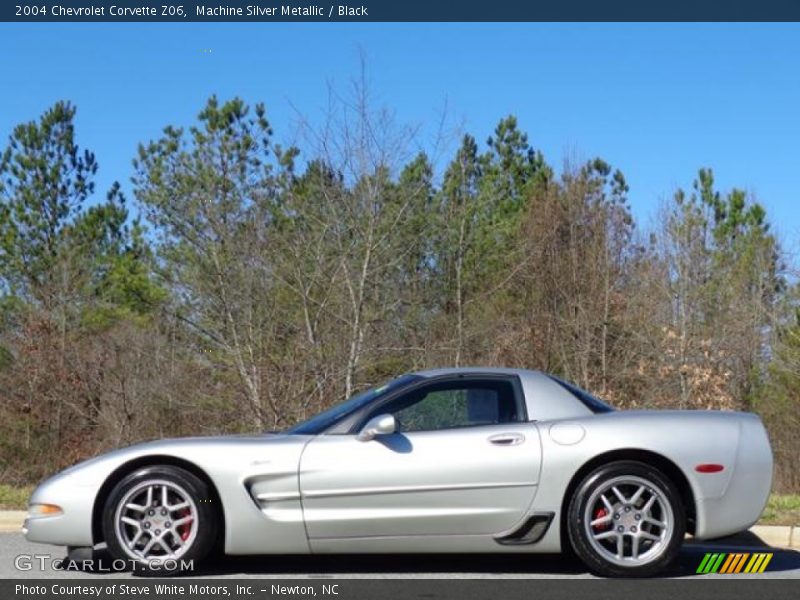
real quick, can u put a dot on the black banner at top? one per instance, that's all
(398, 10)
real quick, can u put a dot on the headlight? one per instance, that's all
(44, 510)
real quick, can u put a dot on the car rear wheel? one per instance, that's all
(160, 519)
(626, 520)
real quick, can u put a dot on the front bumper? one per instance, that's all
(73, 526)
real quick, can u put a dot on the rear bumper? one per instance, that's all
(747, 492)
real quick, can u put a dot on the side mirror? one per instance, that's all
(379, 425)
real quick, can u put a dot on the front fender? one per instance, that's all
(232, 463)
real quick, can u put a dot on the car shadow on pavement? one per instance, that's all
(686, 565)
(360, 564)
(693, 552)
(488, 565)
(398, 565)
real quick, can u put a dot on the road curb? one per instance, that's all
(777, 536)
(11, 520)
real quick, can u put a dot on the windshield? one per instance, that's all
(326, 419)
(592, 403)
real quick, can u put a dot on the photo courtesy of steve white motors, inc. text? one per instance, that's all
(193, 11)
(172, 589)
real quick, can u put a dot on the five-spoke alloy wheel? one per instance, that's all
(626, 519)
(160, 517)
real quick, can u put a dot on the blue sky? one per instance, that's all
(657, 101)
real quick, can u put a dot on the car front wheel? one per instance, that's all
(626, 520)
(159, 520)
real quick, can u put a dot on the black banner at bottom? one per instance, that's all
(361, 589)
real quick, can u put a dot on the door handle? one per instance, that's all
(507, 439)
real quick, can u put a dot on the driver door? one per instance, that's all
(463, 460)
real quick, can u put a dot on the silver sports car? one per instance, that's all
(448, 460)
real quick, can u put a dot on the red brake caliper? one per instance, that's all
(599, 514)
(185, 528)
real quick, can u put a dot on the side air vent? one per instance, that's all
(530, 532)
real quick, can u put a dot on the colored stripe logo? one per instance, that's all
(734, 562)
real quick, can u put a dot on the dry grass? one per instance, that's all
(782, 509)
(13, 497)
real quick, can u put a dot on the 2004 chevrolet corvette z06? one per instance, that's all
(448, 460)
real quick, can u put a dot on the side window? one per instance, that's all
(456, 404)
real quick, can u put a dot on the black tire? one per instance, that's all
(200, 533)
(597, 553)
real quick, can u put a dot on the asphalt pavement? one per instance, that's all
(20, 558)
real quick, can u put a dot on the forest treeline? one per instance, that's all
(247, 285)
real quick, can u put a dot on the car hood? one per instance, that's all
(203, 451)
